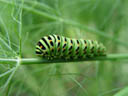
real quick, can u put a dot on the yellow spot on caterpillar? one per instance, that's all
(50, 40)
(58, 40)
(51, 49)
(65, 42)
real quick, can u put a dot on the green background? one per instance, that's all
(24, 22)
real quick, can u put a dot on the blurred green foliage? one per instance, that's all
(102, 20)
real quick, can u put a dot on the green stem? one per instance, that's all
(20, 31)
(27, 61)
(7, 61)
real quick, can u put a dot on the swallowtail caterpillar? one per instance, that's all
(59, 47)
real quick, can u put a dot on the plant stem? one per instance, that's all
(27, 61)
(7, 61)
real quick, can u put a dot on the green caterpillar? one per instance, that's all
(59, 47)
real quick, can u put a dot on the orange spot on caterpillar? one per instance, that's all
(41, 47)
(58, 49)
(64, 49)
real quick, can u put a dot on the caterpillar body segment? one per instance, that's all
(60, 47)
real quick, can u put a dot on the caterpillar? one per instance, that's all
(60, 47)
